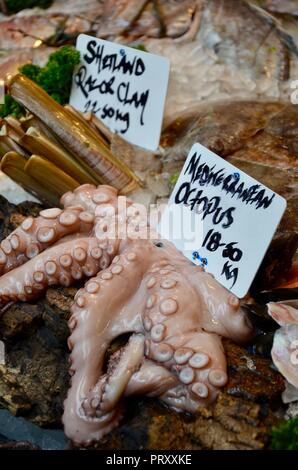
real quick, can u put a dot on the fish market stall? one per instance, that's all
(113, 334)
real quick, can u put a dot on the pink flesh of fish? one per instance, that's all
(285, 346)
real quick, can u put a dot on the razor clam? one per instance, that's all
(35, 143)
(96, 123)
(13, 165)
(58, 182)
(76, 135)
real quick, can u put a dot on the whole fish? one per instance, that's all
(280, 6)
(217, 48)
(232, 49)
(135, 18)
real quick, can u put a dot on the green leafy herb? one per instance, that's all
(285, 436)
(31, 71)
(272, 50)
(140, 47)
(56, 76)
(10, 106)
(174, 178)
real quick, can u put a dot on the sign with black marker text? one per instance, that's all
(237, 218)
(125, 87)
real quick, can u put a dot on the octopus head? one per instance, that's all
(166, 249)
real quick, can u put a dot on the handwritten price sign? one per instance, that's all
(237, 217)
(126, 88)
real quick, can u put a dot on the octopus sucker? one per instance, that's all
(199, 360)
(66, 260)
(27, 224)
(3, 257)
(6, 246)
(161, 352)
(151, 282)
(168, 283)
(51, 213)
(80, 254)
(72, 323)
(182, 355)
(187, 375)
(147, 323)
(117, 269)
(151, 301)
(15, 242)
(80, 301)
(96, 252)
(217, 377)
(45, 234)
(200, 389)
(39, 276)
(169, 306)
(106, 276)
(50, 268)
(68, 218)
(173, 312)
(86, 217)
(92, 287)
(158, 332)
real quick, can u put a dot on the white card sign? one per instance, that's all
(125, 87)
(237, 218)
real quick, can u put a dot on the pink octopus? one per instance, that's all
(174, 312)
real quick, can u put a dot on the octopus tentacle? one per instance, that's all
(110, 388)
(197, 387)
(36, 234)
(83, 430)
(196, 357)
(88, 197)
(152, 380)
(63, 264)
(200, 363)
(95, 322)
(170, 286)
(119, 375)
(95, 314)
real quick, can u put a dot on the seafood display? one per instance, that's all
(174, 351)
(254, 58)
(84, 158)
(149, 332)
